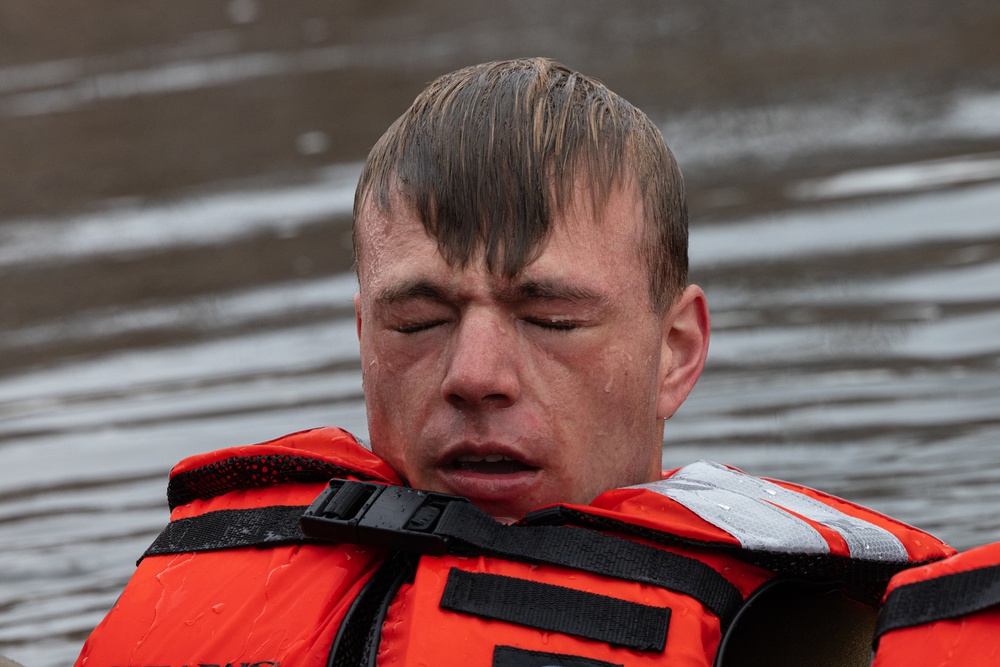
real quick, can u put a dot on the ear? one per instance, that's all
(686, 329)
(357, 311)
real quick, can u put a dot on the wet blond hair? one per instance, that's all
(487, 154)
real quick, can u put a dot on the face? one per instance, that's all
(517, 393)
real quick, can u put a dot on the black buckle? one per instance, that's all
(376, 515)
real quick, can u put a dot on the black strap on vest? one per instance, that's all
(392, 518)
(357, 640)
(863, 577)
(273, 526)
(945, 597)
(472, 532)
(557, 609)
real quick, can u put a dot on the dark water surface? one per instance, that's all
(175, 188)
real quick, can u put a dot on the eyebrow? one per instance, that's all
(531, 290)
(407, 291)
(535, 290)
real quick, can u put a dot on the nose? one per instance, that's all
(482, 363)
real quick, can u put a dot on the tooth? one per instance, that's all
(489, 458)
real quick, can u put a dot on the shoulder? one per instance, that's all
(721, 504)
(312, 456)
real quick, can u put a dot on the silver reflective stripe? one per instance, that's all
(754, 512)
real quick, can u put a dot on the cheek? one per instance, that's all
(386, 415)
(383, 363)
(376, 381)
(397, 381)
(401, 354)
(625, 371)
(617, 401)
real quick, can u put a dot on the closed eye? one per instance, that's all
(418, 326)
(554, 325)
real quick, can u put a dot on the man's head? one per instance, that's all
(521, 241)
(487, 154)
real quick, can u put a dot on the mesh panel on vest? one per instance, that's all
(251, 472)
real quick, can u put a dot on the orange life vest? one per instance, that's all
(377, 573)
(946, 614)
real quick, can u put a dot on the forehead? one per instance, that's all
(583, 234)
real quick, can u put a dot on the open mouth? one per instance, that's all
(491, 464)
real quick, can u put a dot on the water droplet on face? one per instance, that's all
(772, 492)
(725, 507)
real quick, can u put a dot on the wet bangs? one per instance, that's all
(487, 155)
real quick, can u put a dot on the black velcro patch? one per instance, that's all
(949, 596)
(557, 609)
(509, 656)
